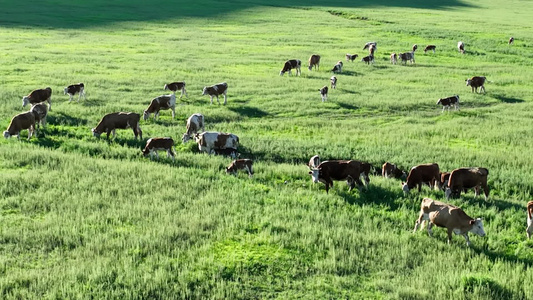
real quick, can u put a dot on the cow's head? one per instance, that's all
(468, 82)
(145, 152)
(96, 133)
(477, 227)
(146, 115)
(65, 91)
(185, 138)
(166, 87)
(204, 91)
(230, 169)
(25, 100)
(7, 134)
(315, 173)
(405, 188)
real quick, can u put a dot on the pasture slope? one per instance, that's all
(84, 218)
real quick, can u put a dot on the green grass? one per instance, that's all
(82, 217)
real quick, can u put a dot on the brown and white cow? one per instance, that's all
(330, 170)
(40, 111)
(314, 61)
(430, 48)
(292, 64)
(529, 229)
(389, 170)
(393, 58)
(476, 82)
(372, 49)
(159, 144)
(216, 90)
(451, 217)
(38, 96)
(231, 152)
(407, 56)
(467, 178)
(208, 141)
(461, 47)
(333, 81)
(73, 89)
(351, 57)
(324, 93)
(511, 40)
(337, 68)
(159, 103)
(314, 162)
(367, 45)
(421, 174)
(448, 102)
(195, 124)
(176, 86)
(368, 59)
(22, 121)
(118, 120)
(241, 164)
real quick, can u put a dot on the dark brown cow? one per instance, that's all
(328, 171)
(448, 102)
(155, 144)
(351, 57)
(389, 170)
(159, 103)
(511, 40)
(324, 93)
(314, 61)
(368, 59)
(476, 82)
(177, 86)
(74, 89)
(40, 111)
(333, 81)
(241, 164)
(421, 174)
(467, 178)
(38, 96)
(216, 90)
(430, 48)
(529, 229)
(25, 120)
(118, 120)
(292, 64)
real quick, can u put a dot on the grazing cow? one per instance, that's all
(367, 45)
(324, 93)
(443, 179)
(155, 144)
(118, 120)
(231, 152)
(451, 217)
(333, 81)
(448, 102)
(393, 58)
(529, 229)
(511, 40)
(430, 48)
(241, 164)
(38, 96)
(195, 124)
(314, 61)
(291, 64)
(208, 141)
(476, 82)
(177, 86)
(461, 47)
(314, 162)
(40, 111)
(328, 171)
(215, 91)
(389, 170)
(407, 56)
(337, 68)
(162, 102)
(467, 178)
(351, 57)
(72, 89)
(368, 59)
(25, 120)
(372, 49)
(415, 46)
(426, 173)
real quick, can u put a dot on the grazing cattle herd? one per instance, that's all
(453, 218)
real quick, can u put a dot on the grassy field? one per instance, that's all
(82, 217)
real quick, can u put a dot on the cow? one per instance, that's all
(407, 56)
(368, 59)
(448, 102)
(330, 170)
(430, 48)
(155, 144)
(314, 61)
(118, 120)
(162, 102)
(72, 89)
(372, 49)
(231, 152)
(393, 58)
(511, 40)
(291, 64)
(351, 57)
(461, 47)
(177, 86)
(40, 111)
(367, 45)
(425, 173)
(241, 164)
(208, 141)
(38, 96)
(22, 121)
(467, 178)
(337, 68)
(476, 82)
(451, 217)
(529, 228)
(216, 90)
(415, 46)
(195, 124)
(324, 93)
(389, 170)
(333, 81)
(314, 162)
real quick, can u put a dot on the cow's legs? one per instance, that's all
(156, 115)
(467, 239)
(529, 230)
(70, 97)
(249, 171)
(450, 235)
(486, 191)
(50, 103)
(211, 99)
(225, 98)
(173, 112)
(430, 232)
(476, 190)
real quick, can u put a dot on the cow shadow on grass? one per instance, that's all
(347, 106)
(491, 202)
(376, 195)
(249, 111)
(505, 99)
(496, 256)
(64, 119)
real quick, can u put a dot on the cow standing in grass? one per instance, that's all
(22, 121)
(38, 96)
(176, 86)
(118, 120)
(159, 144)
(314, 61)
(195, 124)
(292, 64)
(215, 91)
(74, 89)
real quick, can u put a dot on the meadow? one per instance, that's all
(86, 218)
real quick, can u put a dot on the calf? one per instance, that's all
(314, 162)
(351, 57)
(314, 61)
(324, 93)
(208, 141)
(448, 102)
(461, 47)
(337, 68)
(467, 178)
(155, 144)
(407, 56)
(389, 170)
(291, 64)
(22, 121)
(368, 59)
(118, 120)
(421, 174)
(511, 40)
(231, 152)
(328, 171)
(177, 86)
(38, 96)
(333, 81)
(195, 124)
(72, 89)
(215, 91)
(430, 48)
(40, 111)
(476, 82)
(367, 45)
(451, 217)
(529, 229)
(162, 102)
(415, 46)
(393, 58)
(241, 164)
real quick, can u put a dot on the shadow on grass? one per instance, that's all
(373, 195)
(347, 105)
(59, 118)
(249, 111)
(506, 99)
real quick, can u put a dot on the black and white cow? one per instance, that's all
(292, 64)
(72, 89)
